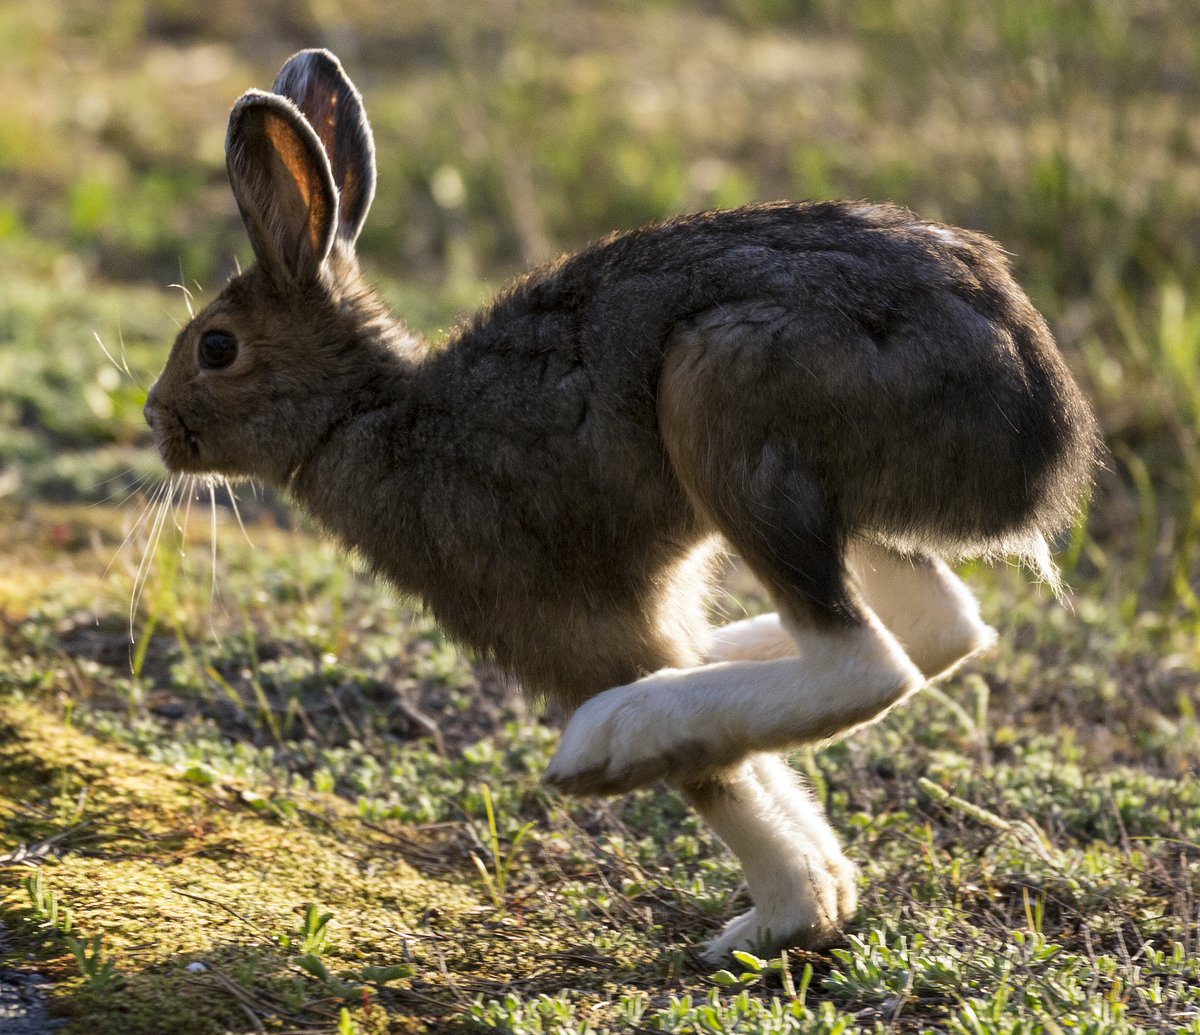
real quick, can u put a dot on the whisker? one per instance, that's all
(143, 572)
(189, 495)
(121, 474)
(187, 295)
(139, 579)
(236, 512)
(123, 366)
(125, 360)
(179, 502)
(121, 369)
(122, 493)
(146, 511)
(166, 509)
(212, 501)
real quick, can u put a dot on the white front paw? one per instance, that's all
(810, 918)
(739, 935)
(622, 739)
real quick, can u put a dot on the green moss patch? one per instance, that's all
(175, 875)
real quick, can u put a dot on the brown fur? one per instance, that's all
(787, 376)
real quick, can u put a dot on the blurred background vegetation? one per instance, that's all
(509, 131)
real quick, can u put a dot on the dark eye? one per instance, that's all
(217, 349)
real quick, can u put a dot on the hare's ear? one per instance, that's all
(283, 186)
(315, 82)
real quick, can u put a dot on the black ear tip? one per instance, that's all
(250, 101)
(314, 62)
(314, 56)
(254, 103)
(253, 99)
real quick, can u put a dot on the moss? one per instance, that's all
(171, 874)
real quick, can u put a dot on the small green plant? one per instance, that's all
(755, 970)
(45, 904)
(313, 939)
(383, 975)
(314, 932)
(100, 974)
(349, 984)
(70, 808)
(496, 879)
(314, 966)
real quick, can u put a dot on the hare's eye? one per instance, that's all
(217, 349)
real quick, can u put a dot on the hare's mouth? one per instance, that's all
(177, 444)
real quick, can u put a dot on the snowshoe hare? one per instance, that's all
(841, 393)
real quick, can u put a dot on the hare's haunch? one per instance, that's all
(841, 393)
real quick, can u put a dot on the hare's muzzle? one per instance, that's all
(176, 445)
(156, 416)
(150, 410)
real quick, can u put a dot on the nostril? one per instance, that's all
(150, 410)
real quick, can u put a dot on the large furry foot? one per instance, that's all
(782, 785)
(747, 933)
(810, 917)
(804, 889)
(687, 724)
(618, 741)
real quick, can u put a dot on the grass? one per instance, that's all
(270, 796)
(1041, 820)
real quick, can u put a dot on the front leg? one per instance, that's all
(802, 887)
(685, 725)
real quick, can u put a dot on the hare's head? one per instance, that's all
(256, 379)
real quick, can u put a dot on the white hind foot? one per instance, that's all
(766, 936)
(686, 724)
(784, 786)
(802, 886)
(762, 638)
(928, 608)
(924, 604)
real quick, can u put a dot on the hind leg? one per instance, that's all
(762, 638)
(847, 669)
(928, 608)
(925, 605)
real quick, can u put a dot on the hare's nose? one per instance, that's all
(150, 410)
